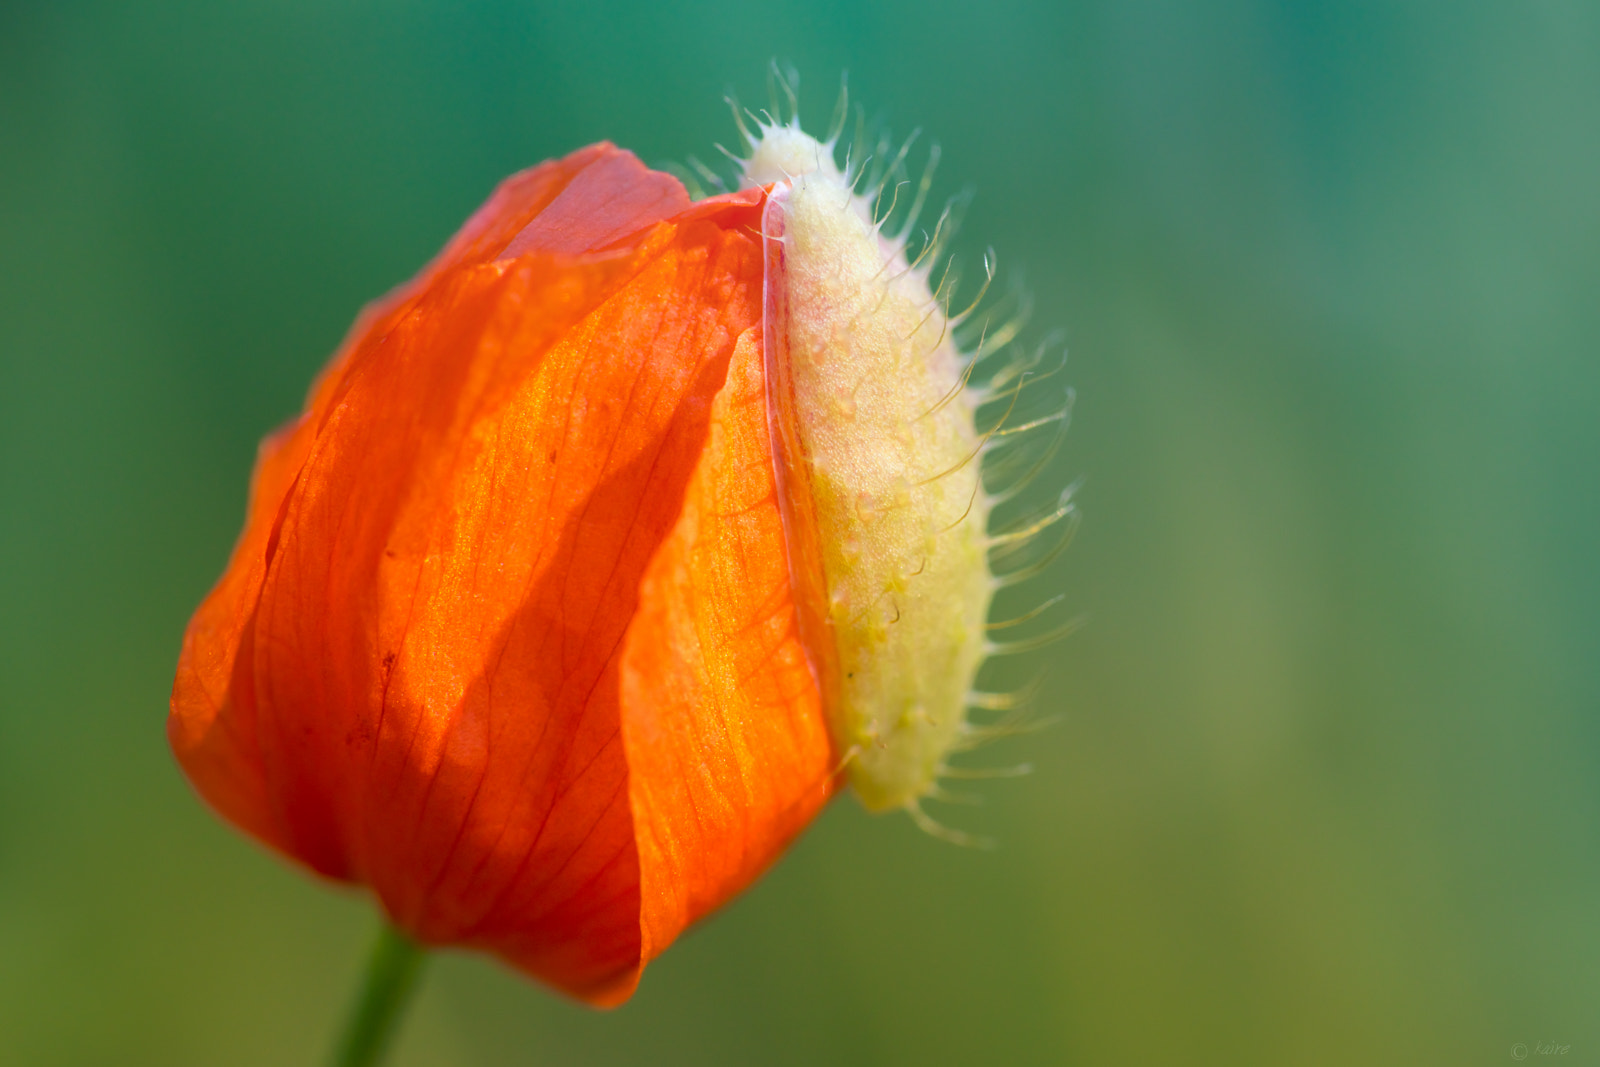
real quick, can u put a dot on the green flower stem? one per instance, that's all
(392, 970)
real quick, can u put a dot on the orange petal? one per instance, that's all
(728, 753)
(459, 564)
(423, 669)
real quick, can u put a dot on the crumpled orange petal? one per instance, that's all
(508, 635)
(723, 722)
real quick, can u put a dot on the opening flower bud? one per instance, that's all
(603, 551)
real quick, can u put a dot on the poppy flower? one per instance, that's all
(602, 552)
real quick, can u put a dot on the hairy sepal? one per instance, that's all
(879, 472)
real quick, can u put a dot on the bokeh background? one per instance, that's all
(1325, 785)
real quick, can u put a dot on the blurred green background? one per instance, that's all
(1326, 784)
